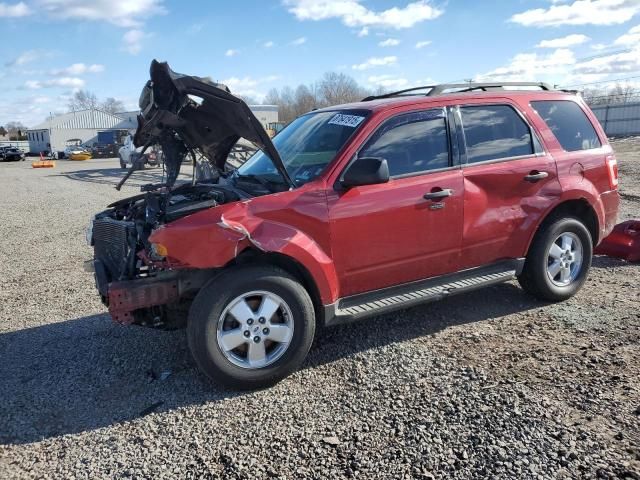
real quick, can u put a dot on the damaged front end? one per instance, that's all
(190, 118)
(132, 274)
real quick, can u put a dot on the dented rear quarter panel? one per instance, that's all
(583, 174)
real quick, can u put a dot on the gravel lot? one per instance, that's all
(492, 383)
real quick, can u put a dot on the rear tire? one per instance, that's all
(268, 349)
(558, 260)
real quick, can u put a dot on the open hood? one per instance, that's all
(204, 115)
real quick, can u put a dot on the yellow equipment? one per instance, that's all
(42, 163)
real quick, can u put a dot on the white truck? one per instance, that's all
(152, 156)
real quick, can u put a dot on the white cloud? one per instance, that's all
(299, 41)
(625, 61)
(353, 14)
(363, 32)
(123, 13)
(79, 69)
(16, 10)
(195, 28)
(580, 12)
(564, 42)
(26, 57)
(268, 44)
(561, 67)
(375, 62)
(32, 84)
(598, 47)
(389, 42)
(66, 82)
(132, 41)
(631, 38)
(387, 81)
(249, 86)
(29, 110)
(423, 44)
(531, 66)
(231, 53)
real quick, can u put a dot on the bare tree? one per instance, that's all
(336, 88)
(608, 96)
(3, 132)
(272, 97)
(83, 100)
(332, 89)
(304, 100)
(112, 105)
(16, 130)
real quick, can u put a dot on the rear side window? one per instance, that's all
(493, 132)
(411, 143)
(568, 123)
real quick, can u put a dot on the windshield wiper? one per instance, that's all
(255, 179)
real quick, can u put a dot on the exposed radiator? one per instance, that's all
(113, 241)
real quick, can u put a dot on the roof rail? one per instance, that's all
(460, 87)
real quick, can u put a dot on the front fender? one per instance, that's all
(215, 237)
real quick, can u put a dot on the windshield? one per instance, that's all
(307, 145)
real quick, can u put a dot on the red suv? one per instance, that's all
(352, 211)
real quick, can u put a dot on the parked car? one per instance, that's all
(79, 154)
(127, 152)
(104, 150)
(75, 150)
(11, 154)
(352, 211)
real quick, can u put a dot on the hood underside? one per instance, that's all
(204, 115)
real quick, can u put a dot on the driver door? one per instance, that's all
(411, 227)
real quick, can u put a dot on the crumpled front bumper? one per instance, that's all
(126, 296)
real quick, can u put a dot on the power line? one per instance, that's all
(601, 82)
(603, 55)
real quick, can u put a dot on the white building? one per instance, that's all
(265, 113)
(84, 125)
(53, 134)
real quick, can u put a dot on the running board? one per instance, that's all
(377, 302)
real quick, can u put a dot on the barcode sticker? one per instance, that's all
(346, 120)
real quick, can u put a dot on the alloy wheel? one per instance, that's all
(564, 259)
(255, 329)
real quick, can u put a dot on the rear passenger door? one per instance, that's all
(509, 182)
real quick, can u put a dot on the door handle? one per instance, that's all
(535, 176)
(438, 194)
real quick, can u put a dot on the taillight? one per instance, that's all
(612, 169)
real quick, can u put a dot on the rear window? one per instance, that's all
(493, 132)
(569, 124)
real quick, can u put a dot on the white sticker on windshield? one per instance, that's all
(346, 120)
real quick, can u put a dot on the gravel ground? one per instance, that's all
(489, 384)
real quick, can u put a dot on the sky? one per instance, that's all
(53, 47)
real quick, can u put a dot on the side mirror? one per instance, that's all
(366, 171)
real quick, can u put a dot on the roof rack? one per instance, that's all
(459, 87)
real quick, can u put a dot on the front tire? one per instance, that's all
(558, 261)
(122, 164)
(250, 327)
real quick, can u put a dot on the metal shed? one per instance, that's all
(52, 134)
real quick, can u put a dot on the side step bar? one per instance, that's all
(377, 302)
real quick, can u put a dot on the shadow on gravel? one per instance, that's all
(88, 373)
(111, 176)
(602, 261)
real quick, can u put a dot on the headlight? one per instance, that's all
(158, 250)
(88, 232)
